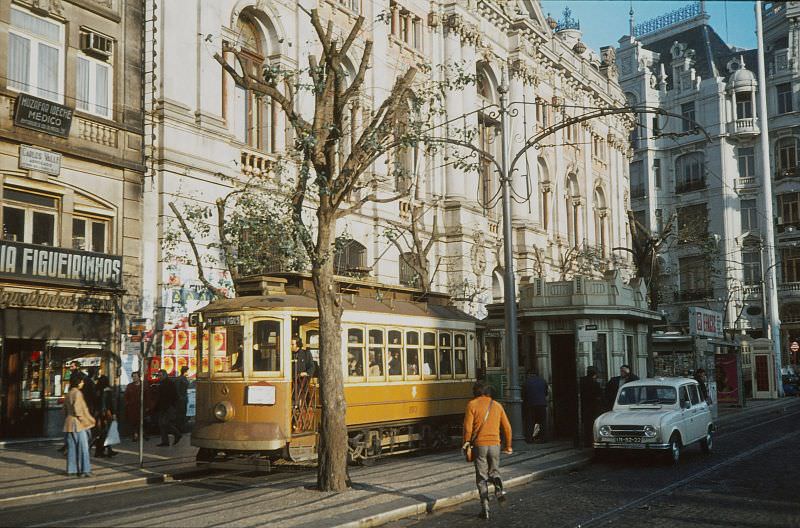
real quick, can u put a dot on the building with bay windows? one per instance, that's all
(709, 192)
(71, 170)
(570, 212)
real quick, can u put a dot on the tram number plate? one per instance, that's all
(628, 440)
(261, 395)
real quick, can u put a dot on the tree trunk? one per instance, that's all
(332, 448)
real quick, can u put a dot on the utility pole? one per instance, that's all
(771, 290)
(513, 396)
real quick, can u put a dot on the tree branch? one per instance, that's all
(218, 293)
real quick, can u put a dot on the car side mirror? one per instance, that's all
(686, 404)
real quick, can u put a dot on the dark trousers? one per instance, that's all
(166, 424)
(535, 414)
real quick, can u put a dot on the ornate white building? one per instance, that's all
(571, 193)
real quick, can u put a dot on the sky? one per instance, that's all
(603, 22)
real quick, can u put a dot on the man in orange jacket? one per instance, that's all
(482, 423)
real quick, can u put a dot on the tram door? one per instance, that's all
(305, 388)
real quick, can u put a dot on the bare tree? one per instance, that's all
(411, 244)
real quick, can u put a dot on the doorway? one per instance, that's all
(23, 372)
(565, 385)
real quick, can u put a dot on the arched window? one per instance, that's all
(488, 132)
(690, 173)
(251, 118)
(573, 205)
(350, 258)
(408, 275)
(600, 220)
(498, 288)
(786, 150)
(545, 194)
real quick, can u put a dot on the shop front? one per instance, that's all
(44, 327)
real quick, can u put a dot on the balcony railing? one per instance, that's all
(746, 125)
(789, 289)
(746, 183)
(693, 185)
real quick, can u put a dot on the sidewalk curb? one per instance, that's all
(432, 504)
(155, 478)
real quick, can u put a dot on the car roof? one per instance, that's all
(671, 382)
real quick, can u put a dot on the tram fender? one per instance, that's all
(239, 436)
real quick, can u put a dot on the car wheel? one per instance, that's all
(707, 443)
(675, 449)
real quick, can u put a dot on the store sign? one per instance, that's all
(55, 301)
(41, 160)
(705, 323)
(43, 115)
(58, 265)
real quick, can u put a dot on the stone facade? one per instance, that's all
(71, 167)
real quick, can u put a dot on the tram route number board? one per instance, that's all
(260, 395)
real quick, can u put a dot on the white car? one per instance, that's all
(656, 414)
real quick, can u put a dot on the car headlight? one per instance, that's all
(223, 411)
(604, 430)
(650, 431)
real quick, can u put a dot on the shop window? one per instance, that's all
(94, 86)
(355, 352)
(412, 353)
(375, 364)
(35, 55)
(266, 346)
(29, 217)
(90, 234)
(395, 338)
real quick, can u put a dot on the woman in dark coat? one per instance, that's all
(106, 413)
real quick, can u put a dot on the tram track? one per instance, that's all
(669, 488)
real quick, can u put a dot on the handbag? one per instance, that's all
(468, 454)
(112, 436)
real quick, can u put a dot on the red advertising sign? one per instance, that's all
(727, 378)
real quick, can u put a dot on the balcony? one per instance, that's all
(254, 163)
(689, 186)
(694, 295)
(789, 290)
(741, 184)
(747, 126)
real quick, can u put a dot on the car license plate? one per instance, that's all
(628, 440)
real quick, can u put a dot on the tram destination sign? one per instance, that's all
(60, 265)
(226, 320)
(43, 115)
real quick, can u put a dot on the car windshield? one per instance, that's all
(647, 395)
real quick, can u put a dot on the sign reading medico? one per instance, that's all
(43, 115)
(41, 160)
(705, 323)
(58, 265)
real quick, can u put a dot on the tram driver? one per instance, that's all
(303, 369)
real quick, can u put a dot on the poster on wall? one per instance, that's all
(727, 378)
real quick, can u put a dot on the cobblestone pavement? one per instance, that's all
(750, 481)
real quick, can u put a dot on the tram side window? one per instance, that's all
(412, 353)
(395, 353)
(460, 350)
(355, 352)
(375, 353)
(445, 355)
(429, 354)
(266, 346)
(228, 348)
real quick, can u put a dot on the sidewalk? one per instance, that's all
(394, 488)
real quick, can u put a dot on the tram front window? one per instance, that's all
(266, 346)
(227, 348)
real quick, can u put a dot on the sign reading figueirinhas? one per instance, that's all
(705, 323)
(59, 265)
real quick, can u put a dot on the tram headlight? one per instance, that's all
(223, 411)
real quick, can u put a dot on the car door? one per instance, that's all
(700, 413)
(685, 422)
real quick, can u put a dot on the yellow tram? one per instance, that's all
(409, 367)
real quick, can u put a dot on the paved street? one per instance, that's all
(750, 481)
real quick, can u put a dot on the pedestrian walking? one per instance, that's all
(182, 388)
(132, 404)
(77, 424)
(483, 421)
(591, 404)
(534, 401)
(166, 406)
(106, 413)
(613, 385)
